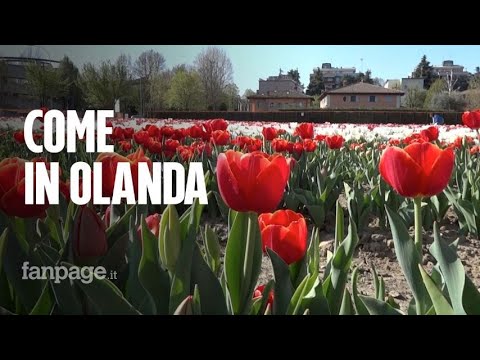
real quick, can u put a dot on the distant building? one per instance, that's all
(361, 96)
(278, 93)
(412, 83)
(393, 84)
(333, 76)
(448, 68)
(15, 94)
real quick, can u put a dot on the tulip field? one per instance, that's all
(302, 219)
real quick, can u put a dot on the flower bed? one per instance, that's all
(294, 205)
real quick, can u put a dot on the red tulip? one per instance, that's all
(421, 169)
(218, 124)
(185, 153)
(220, 137)
(167, 131)
(89, 237)
(304, 130)
(309, 145)
(269, 133)
(298, 148)
(141, 137)
(126, 146)
(12, 190)
(153, 224)
(19, 137)
(252, 182)
(334, 141)
(128, 133)
(279, 145)
(153, 131)
(109, 169)
(285, 232)
(471, 119)
(258, 293)
(430, 134)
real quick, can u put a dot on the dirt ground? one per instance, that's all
(376, 247)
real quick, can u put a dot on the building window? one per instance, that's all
(388, 98)
(272, 105)
(372, 98)
(344, 98)
(353, 98)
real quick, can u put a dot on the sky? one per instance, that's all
(252, 62)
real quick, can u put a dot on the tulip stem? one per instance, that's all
(418, 224)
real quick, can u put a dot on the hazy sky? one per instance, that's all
(251, 62)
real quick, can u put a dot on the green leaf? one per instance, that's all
(181, 281)
(339, 225)
(359, 305)
(4, 311)
(121, 226)
(306, 291)
(27, 291)
(45, 303)
(283, 286)
(104, 296)
(317, 212)
(243, 258)
(347, 306)
(451, 268)
(135, 292)
(212, 248)
(196, 210)
(64, 292)
(334, 286)
(196, 304)
(153, 278)
(377, 307)
(471, 298)
(441, 305)
(408, 259)
(209, 288)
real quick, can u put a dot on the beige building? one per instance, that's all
(361, 96)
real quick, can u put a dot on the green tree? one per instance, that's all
(216, 72)
(316, 85)
(415, 98)
(439, 86)
(231, 97)
(185, 92)
(248, 92)
(148, 66)
(474, 82)
(366, 78)
(69, 75)
(45, 82)
(102, 86)
(295, 75)
(425, 70)
(349, 80)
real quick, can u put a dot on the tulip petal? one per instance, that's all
(267, 192)
(401, 172)
(281, 162)
(424, 154)
(284, 242)
(228, 185)
(440, 173)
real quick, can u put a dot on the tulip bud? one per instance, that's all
(169, 242)
(89, 237)
(185, 307)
